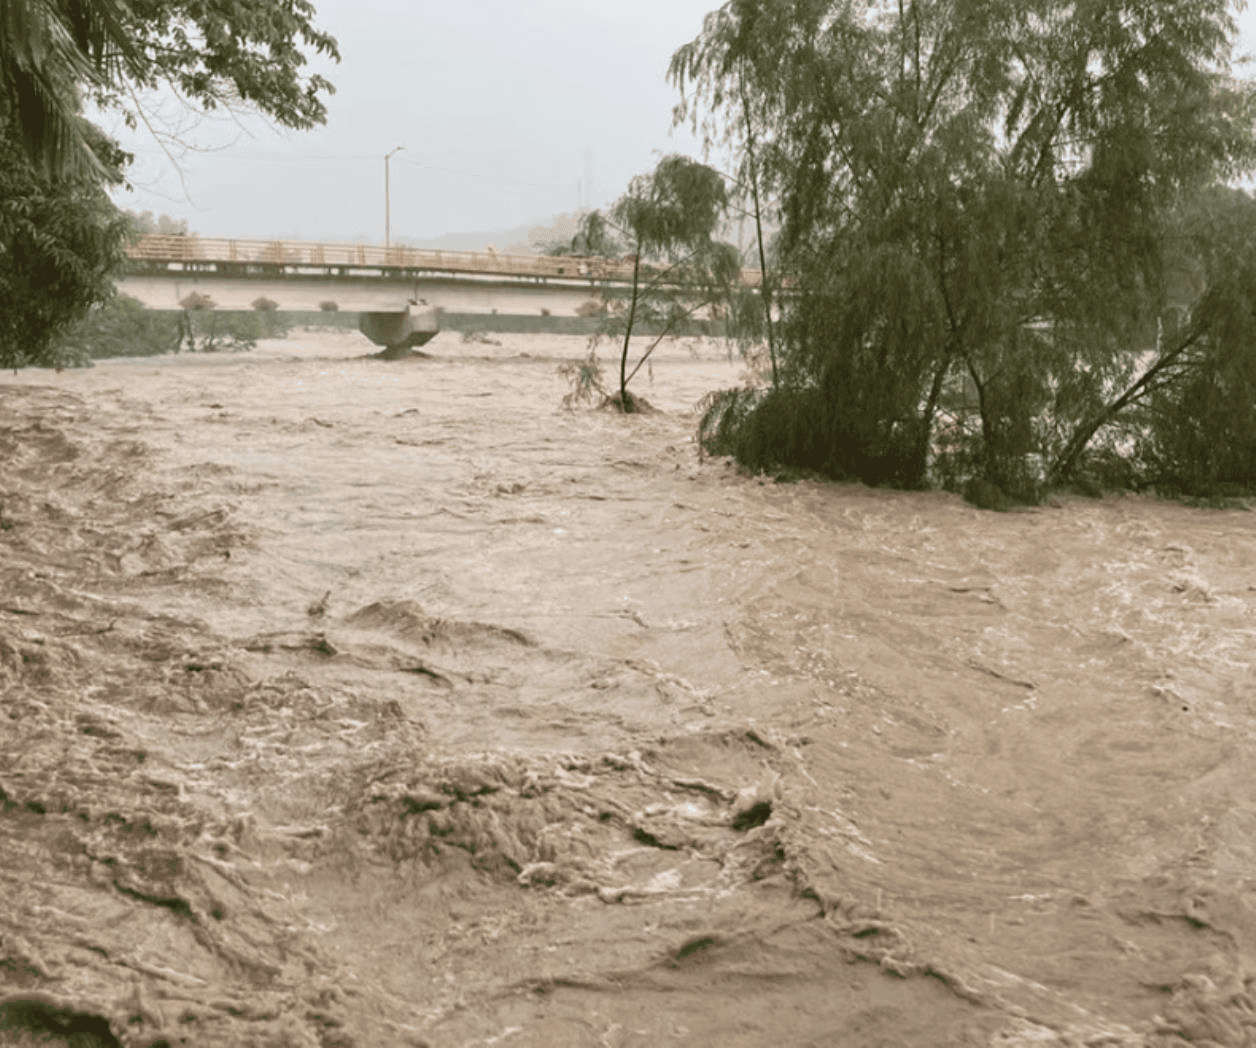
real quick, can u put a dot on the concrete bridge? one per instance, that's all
(297, 276)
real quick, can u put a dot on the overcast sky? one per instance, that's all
(510, 111)
(506, 109)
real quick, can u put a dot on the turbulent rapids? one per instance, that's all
(346, 702)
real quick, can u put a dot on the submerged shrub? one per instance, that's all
(802, 431)
(233, 330)
(122, 327)
(985, 495)
(585, 377)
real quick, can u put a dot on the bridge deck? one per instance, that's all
(243, 254)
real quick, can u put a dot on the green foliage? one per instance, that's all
(121, 327)
(220, 53)
(797, 429)
(985, 494)
(60, 242)
(665, 221)
(716, 67)
(47, 49)
(594, 236)
(216, 53)
(984, 208)
(1201, 440)
(1201, 437)
(1185, 404)
(232, 330)
(672, 212)
(724, 414)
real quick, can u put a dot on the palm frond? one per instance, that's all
(48, 50)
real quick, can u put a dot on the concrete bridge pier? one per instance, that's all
(398, 333)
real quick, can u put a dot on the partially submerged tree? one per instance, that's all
(1193, 399)
(665, 221)
(978, 201)
(121, 327)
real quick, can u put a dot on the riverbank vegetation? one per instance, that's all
(123, 327)
(1008, 248)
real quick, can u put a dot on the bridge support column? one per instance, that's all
(399, 332)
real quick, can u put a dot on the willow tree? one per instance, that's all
(974, 197)
(1192, 402)
(718, 75)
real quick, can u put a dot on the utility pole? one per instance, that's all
(387, 231)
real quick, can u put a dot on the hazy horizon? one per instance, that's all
(551, 111)
(555, 108)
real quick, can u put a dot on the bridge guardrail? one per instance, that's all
(156, 248)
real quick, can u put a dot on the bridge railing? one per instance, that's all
(155, 248)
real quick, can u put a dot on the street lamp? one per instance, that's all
(387, 156)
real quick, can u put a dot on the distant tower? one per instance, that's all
(588, 176)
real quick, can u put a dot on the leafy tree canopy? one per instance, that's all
(213, 53)
(594, 236)
(61, 240)
(978, 202)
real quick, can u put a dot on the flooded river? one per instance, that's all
(351, 703)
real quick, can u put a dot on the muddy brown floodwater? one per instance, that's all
(362, 703)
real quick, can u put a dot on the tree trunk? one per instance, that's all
(1064, 465)
(765, 289)
(931, 406)
(987, 429)
(624, 403)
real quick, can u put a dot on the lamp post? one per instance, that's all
(387, 239)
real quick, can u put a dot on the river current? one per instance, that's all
(346, 702)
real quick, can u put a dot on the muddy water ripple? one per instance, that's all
(353, 703)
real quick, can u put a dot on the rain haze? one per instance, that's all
(508, 114)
